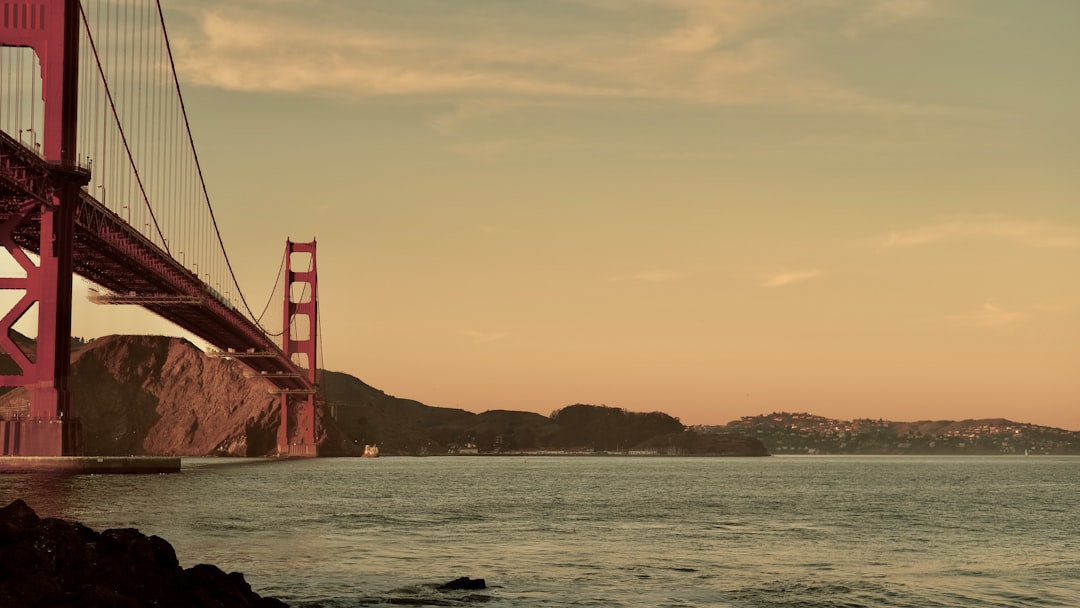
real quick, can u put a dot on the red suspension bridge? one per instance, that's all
(99, 177)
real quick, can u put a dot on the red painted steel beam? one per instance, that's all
(111, 253)
(23, 176)
(302, 312)
(51, 29)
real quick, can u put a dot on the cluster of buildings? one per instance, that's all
(803, 433)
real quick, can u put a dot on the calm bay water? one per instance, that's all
(607, 531)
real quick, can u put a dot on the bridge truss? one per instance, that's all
(48, 208)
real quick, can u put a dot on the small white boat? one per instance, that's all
(370, 451)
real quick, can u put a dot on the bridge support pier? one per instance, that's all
(40, 437)
(296, 435)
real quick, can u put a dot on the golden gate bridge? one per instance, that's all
(99, 177)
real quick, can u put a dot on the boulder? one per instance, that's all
(463, 583)
(62, 564)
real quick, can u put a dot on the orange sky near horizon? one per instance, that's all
(711, 208)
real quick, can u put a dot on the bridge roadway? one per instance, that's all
(111, 253)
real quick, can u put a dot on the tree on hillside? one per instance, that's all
(606, 428)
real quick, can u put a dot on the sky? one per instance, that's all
(711, 208)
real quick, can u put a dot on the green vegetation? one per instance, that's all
(608, 429)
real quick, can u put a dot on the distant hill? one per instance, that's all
(803, 433)
(402, 426)
(154, 395)
(158, 395)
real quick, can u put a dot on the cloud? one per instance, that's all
(694, 39)
(251, 50)
(1031, 233)
(468, 110)
(723, 20)
(788, 278)
(697, 51)
(648, 276)
(1058, 304)
(992, 315)
(888, 13)
(479, 337)
(485, 149)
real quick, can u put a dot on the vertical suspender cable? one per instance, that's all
(123, 137)
(202, 181)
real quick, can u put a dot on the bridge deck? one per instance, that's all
(111, 253)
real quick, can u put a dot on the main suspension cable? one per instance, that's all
(120, 128)
(198, 165)
(270, 300)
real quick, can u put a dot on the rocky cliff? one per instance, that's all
(139, 395)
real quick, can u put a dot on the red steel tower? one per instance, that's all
(51, 29)
(299, 343)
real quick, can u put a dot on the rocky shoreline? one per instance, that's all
(61, 564)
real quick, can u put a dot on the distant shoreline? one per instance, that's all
(556, 454)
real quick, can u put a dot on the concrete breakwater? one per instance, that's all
(82, 465)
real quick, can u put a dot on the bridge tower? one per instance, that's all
(51, 29)
(299, 343)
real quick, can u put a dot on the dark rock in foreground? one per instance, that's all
(463, 583)
(61, 564)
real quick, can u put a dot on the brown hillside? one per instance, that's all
(154, 395)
